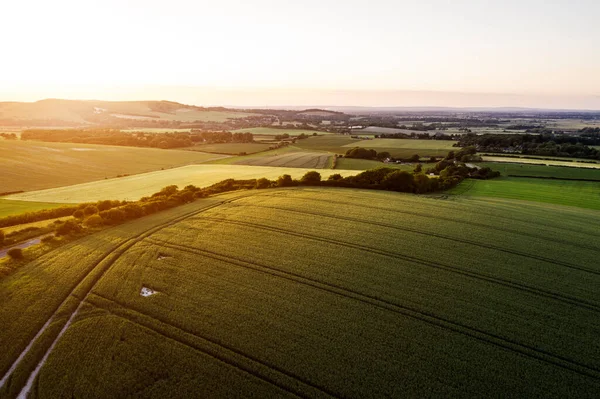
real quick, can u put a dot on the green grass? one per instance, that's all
(32, 165)
(560, 192)
(320, 292)
(134, 187)
(231, 148)
(269, 131)
(332, 143)
(404, 148)
(15, 207)
(559, 172)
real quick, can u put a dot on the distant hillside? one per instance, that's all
(78, 112)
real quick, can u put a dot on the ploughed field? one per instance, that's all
(315, 292)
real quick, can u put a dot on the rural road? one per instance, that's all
(22, 245)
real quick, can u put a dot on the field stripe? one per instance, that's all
(428, 317)
(215, 353)
(430, 234)
(508, 283)
(462, 221)
(116, 251)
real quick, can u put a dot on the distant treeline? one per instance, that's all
(419, 136)
(135, 139)
(560, 145)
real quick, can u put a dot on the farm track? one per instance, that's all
(479, 276)
(116, 251)
(421, 315)
(438, 217)
(437, 235)
(215, 352)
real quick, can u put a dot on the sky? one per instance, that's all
(540, 53)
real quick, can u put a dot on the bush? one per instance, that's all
(93, 221)
(335, 177)
(285, 181)
(2, 237)
(78, 214)
(16, 253)
(47, 239)
(263, 183)
(67, 228)
(90, 210)
(311, 177)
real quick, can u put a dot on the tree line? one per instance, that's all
(135, 139)
(548, 144)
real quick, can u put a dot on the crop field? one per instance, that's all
(268, 131)
(560, 172)
(584, 163)
(427, 147)
(32, 165)
(231, 148)
(135, 187)
(15, 207)
(580, 194)
(332, 143)
(365, 164)
(418, 297)
(297, 159)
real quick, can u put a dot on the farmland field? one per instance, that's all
(296, 159)
(418, 297)
(332, 143)
(231, 148)
(539, 160)
(134, 187)
(561, 192)
(14, 207)
(32, 165)
(269, 131)
(561, 172)
(404, 148)
(364, 164)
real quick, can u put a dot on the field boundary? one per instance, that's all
(555, 178)
(421, 315)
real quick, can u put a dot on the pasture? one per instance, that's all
(531, 159)
(31, 165)
(137, 186)
(560, 192)
(405, 148)
(334, 292)
(365, 164)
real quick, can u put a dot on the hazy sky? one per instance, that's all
(544, 51)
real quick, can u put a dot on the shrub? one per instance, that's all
(16, 253)
(263, 183)
(2, 237)
(311, 177)
(335, 177)
(93, 221)
(90, 210)
(78, 214)
(67, 228)
(285, 181)
(48, 239)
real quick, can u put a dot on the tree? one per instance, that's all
(93, 221)
(15, 253)
(78, 214)
(383, 155)
(418, 168)
(285, 181)
(263, 183)
(2, 237)
(90, 210)
(311, 177)
(335, 177)
(399, 181)
(414, 158)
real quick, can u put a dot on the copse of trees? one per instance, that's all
(361, 153)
